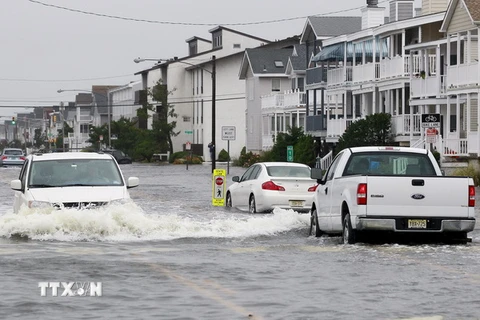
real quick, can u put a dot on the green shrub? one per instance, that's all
(246, 159)
(468, 172)
(223, 156)
(182, 157)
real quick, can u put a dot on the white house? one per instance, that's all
(189, 81)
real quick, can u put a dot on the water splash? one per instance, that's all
(130, 223)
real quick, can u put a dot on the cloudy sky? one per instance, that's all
(45, 48)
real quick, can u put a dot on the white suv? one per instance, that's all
(80, 180)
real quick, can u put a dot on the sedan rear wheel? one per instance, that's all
(252, 208)
(228, 202)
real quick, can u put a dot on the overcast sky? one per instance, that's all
(44, 49)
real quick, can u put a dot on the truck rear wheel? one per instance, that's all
(348, 232)
(314, 227)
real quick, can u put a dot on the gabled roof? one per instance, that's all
(264, 61)
(197, 38)
(323, 27)
(471, 6)
(237, 32)
(298, 58)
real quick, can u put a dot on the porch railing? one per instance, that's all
(463, 75)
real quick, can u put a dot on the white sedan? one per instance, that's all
(266, 185)
(77, 180)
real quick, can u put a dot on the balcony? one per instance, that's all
(399, 66)
(317, 75)
(463, 75)
(365, 72)
(283, 101)
(428, 87)
(405, 124)
(339, 76)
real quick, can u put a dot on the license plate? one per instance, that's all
(417, 224)
(296, 203)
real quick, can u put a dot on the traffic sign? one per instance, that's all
(289, 153)
(431, 120)
(188, 131)
(228, 132)
(188, 146)
(219, 187)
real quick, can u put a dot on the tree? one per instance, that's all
(163, 127)
(374, 130)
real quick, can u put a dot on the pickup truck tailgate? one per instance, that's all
(417, 196)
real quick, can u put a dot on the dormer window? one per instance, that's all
(192, 48)
(217, 39)
(279, 63)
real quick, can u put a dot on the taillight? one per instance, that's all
(269, 185)
(313, 189)
(22, 158)
(4, 157)
(362, 194)
(471, 196)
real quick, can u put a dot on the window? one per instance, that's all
(301, 84)
(192, 48)
(236, 46)
(186, 119)
(217, 39)
(275, 84)
(278, 63)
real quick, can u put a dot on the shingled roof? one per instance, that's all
(331, 26)
(474, 9)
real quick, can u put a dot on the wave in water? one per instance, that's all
(130, 223)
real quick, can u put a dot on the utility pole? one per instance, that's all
(62, 107)
(214, 80)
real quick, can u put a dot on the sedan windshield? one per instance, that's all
(74, 172)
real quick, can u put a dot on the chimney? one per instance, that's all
(434, 6)
(401, 9)
(372, 15)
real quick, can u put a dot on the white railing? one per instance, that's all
(272, 101)
(403, 125)
(294, 98)
(326, 160)
(339, 76)
(428, 87)
(455, 147)
(463, 75)
(399, 66)
(336, 127)
(364, 72)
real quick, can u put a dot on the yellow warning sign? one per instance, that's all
(219, 186)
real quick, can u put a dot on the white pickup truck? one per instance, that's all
(391, 190)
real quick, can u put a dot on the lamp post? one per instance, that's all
(213, 73)
(94, 100)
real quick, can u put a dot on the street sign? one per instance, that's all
(114, 137)
(228, 132)
(431, 120)
(188, 131)
(219, 187)
(188, 146)
(101, 138)
(289, 153)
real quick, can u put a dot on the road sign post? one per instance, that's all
(228, 133)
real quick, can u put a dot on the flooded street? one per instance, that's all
(172, 255)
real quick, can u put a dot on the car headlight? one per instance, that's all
(39, 204)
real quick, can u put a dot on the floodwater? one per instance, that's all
(172, 255)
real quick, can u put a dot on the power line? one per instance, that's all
(66, 80)
(192, 23)
(123, 105)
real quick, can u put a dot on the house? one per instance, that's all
(285, 107)
(192, 91)
(374, 70)
(263, 70)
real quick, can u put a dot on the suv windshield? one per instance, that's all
(74, 172)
